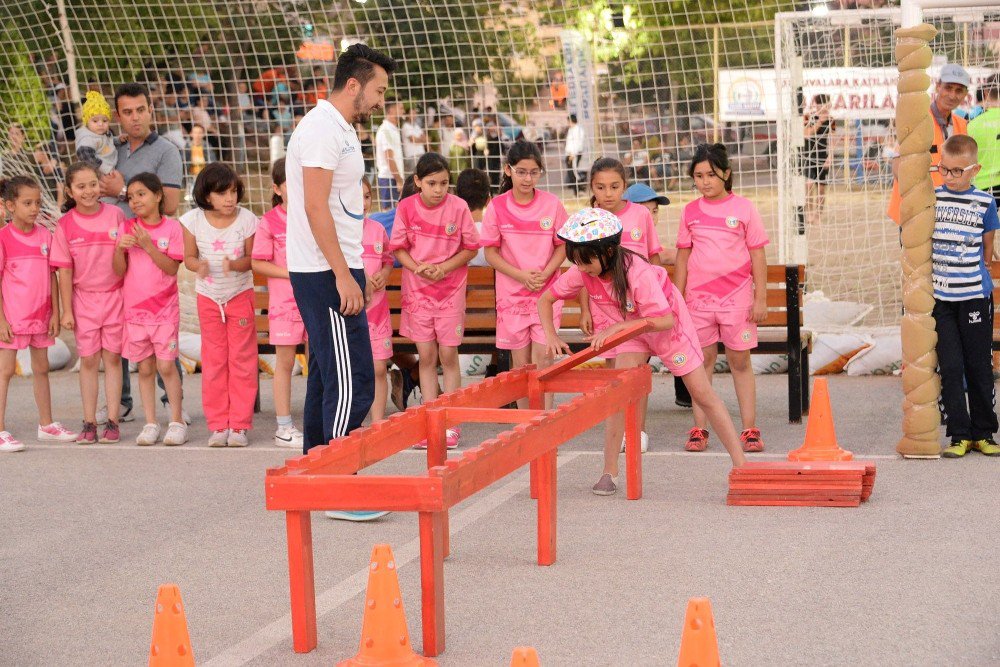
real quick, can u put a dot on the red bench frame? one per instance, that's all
(326, 479)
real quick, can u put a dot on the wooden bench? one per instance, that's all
(781, 333)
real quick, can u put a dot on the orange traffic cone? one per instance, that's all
(171, 646)
(699, 646)
(821, 440)
(524, 656)
(385, 641)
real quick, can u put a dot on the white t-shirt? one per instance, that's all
(413, 140)
(324, 139)
(387, 138)
(574, 140)
(214, 245)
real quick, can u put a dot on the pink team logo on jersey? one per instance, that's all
(451, 228)
(732, 222)
(172, 345)
(545, 223)
(636, 233)
(113, 233)
(745, 336)
(387, 343)
(163, 243)
(629, 307)
(378, 247)
(458, 330)
(679, 359)
(45, 249)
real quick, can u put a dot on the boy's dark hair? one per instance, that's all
(718, 157)
(152, 183)
(358, 62)
(10, 188)
(278, 178)
(71, 172)
(607, 164)
(216, 177)
(521, 150)
(131, 90)
(431, 163)
(572, 118)
(473, 187)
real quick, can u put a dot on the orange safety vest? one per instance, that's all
(960, 126)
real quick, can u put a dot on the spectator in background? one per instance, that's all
(637, 160)
(50, 172)
(69, 118)
(198, 152)
(459, 157)
(414, 140)
(244, 102)
(447, 133)
(558, 90)
(95, 143)
(494, 153)
(473, 187)
(264, 85)
(169, 116)
(985, 129)
(367, 149)
(389, 156)
(477, 145)
(816, 157)
(575, 139)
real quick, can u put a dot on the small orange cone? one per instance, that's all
(821, 440)
(699, 646)
(385, 641)
(524, 656)
(171, 646)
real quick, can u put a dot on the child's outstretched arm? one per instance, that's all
(192, 258)
(661, 323)
(758, 269)
(240, 264)
(554, 345)
(268, 269)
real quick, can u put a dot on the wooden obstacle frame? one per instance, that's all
(326, 478)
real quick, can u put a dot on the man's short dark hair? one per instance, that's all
(473, 187)
(358, 62)
(131, 90)
(572, 118)
(216, 177)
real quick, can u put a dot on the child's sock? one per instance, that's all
(284, 421)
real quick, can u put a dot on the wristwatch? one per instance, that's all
(123, 195)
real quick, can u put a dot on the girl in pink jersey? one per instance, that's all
(520, 240)
(434, 238)
(148, 254)
(722, 273)
(91, 294)
(286, 329)
(625, 287)
(378, 261)
(29, 304)
(218, 244)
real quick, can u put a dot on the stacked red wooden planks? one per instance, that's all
(812, 484)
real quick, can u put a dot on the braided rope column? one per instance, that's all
(915, 133)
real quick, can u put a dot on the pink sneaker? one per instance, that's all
(56, 432)
(451, 437)
(9, 443)
(421, 445)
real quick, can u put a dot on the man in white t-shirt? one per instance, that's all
(389, 157)
(414, 141)
(574, 153)
(323, 170)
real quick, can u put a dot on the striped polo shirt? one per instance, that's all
(959, 259)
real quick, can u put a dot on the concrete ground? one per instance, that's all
(910, 578)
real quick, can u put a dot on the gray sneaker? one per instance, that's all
(606, 485)
(219, 438)
(149, 435)
(176, 434)
(238, 438)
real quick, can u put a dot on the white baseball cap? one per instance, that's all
(952, 73)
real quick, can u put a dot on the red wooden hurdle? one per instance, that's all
(326, 479)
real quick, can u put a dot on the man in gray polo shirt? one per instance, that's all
(142, 151)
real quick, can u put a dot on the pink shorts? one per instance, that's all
(516, 330)
(24, 341)
(732, 327)
(142, 341)
(287, 332)
(100, 321)
(380, 332)
(425, 326)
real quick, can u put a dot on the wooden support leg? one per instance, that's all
(536, 401)
(547, 494)
(533, 479)
(633, 453)
(437, 454)
(301, 581)
(432, 581)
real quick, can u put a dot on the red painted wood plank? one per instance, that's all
(301, 580)
(633, 330)
(454, 416)
(633, 455)
(547, 497)
(772, 502)
(352, 492)
(432, 582)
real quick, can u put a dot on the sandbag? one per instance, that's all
(884, 357)
(473, 364)
(769, 364)
(189, 351)
(832, 351)
(58, 354)
(820, 312)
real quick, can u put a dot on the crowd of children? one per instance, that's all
(117, 291)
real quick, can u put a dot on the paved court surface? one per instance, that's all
(910, 578)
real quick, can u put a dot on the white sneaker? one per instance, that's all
(177, 434)
(9, 443)
(56, 432)
(644, 442)
(288, 436)
(125, 414)
(219, 438)
(238, 438)
(149, 435)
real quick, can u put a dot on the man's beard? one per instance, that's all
(361, 114)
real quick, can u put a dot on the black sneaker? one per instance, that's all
(409, 384)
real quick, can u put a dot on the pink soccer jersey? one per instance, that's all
(639, 231)
(433, 235)
(526, 237)
(721, 235)
(376, 255)
(25, 278)
(269, 245)
(150, 294)
(86, 244)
